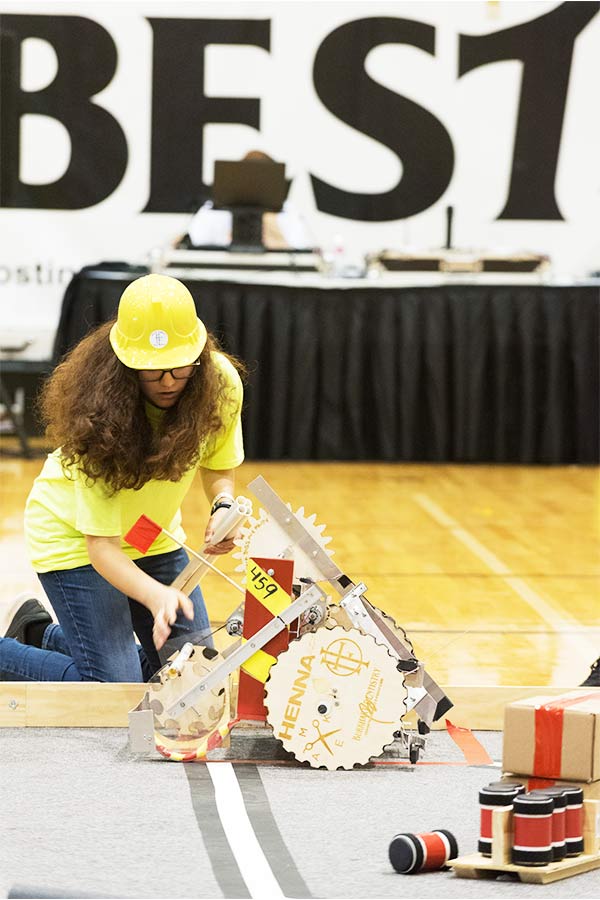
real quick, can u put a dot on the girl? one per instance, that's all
(136, 408)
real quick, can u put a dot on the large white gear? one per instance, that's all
(335, 698)
(264, 537)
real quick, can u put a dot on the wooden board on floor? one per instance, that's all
(67, 705)
(88, 704)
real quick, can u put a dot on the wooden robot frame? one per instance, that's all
(335, 694)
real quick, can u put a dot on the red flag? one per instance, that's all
(143, 533)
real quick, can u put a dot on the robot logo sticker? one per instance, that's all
(368, 707)
(159, 338)
(322, 738)
(292, 709)
(343, 657)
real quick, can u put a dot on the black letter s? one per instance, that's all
(414, 134)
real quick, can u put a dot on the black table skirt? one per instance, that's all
(465, 373)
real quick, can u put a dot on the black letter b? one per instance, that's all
(87, 60)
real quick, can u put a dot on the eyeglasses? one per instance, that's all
(179, 374)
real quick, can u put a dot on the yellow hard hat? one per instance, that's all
(157, 326)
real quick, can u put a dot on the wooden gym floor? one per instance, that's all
(494, 571)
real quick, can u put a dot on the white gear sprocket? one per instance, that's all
(264, 537)
(334, 698)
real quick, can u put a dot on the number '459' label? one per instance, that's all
(264, 588)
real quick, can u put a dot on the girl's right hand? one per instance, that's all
(164, 606)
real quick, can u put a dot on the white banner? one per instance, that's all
(112, 115)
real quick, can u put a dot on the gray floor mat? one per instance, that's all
(78, 813)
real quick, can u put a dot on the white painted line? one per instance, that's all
(557, 620)
(253, 865)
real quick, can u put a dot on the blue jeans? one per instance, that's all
(95, 638)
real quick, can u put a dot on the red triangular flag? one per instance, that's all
(142, 534)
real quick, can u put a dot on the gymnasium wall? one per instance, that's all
(112, 115)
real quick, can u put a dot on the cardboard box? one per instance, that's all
(554, 737)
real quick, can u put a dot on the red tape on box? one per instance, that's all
(547, 759)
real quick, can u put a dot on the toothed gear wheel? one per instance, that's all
(201, 726)
(334, 698)
(337, 615)
(397, 629)
(264, 537)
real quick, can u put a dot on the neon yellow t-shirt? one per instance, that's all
(60, 511)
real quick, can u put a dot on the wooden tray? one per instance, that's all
(478, 866)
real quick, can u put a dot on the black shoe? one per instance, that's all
(593, 679)
(28, 613)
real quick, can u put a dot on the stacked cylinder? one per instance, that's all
(498, 794)
(573, 819)
(547, 823)
(532, 829)
(559, 846)
(565, 823)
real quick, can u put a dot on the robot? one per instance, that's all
(336, 697)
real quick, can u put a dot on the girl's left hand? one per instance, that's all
(225, 546)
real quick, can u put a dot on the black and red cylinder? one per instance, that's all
(412, 853)
(559, 845)
(498, 794)
(573, 818)
(532, 830)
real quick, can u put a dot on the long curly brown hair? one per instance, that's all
(93, 409)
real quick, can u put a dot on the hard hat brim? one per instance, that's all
(135, 357)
